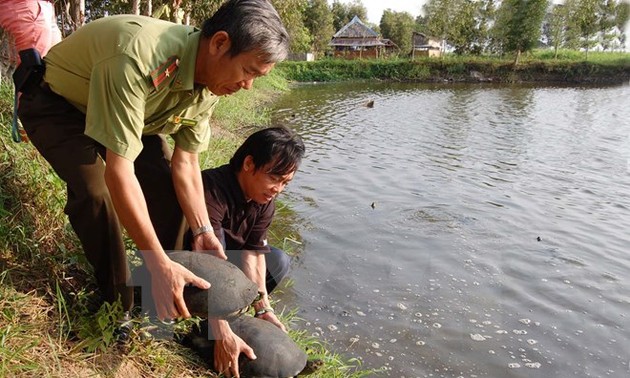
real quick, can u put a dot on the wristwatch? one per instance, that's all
(203, 229)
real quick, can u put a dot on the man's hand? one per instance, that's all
(227, 347)
(167, 287)
(273, 319)
(210, 244)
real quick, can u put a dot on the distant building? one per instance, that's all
(301, 57)
(425, 46)
(357, 40)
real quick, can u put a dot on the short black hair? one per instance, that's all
(278, 145)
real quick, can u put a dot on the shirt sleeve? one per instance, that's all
(115, 110)
(215, 205)
(195, 139)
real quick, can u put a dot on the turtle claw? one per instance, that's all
(312, 366)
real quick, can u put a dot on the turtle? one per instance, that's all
(277, 355)
(230, 293)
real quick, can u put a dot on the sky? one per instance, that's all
(375, 8)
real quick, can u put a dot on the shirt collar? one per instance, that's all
(235, 186)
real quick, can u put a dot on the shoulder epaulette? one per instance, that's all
(164, 71)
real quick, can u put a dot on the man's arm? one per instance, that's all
(255, 268)
(228, 346)
(189, 188)
(167, 277)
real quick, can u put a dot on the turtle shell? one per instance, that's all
(230, 291)
(276, 354)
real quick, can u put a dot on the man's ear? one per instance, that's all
(248, 164)
(220, 43)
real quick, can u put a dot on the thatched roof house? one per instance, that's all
(357, 40)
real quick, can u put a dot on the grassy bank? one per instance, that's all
(539, 66)
(49, 324)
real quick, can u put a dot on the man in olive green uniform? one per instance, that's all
(110, 90)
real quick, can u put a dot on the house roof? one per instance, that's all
(355, 29)
(363, 42)
(422, 41)
(388, 42)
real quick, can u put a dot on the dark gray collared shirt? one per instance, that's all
(244, 223)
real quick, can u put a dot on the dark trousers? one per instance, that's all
(277, 262)
(56, 128)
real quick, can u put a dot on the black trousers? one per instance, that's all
(56, 128)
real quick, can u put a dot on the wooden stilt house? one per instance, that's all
(357, 40)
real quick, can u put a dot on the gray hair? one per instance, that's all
(251, 25)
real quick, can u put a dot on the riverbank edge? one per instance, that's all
(433, 70)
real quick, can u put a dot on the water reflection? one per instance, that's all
(497, 241)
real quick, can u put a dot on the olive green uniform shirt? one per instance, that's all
(133, 76)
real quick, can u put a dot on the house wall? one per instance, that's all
(430, 53)
(352, 54)
(308, 57)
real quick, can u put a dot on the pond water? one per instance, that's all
(465, 230)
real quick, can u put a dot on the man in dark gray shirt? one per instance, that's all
(239, 197)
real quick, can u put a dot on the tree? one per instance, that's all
(343, 13)
(571, 30)
(518, 25)
(421, 24)
(72, 14)
(318, 19)
(438, 15)
(464, 32)
(398, 26)
(555, 26)
(585, 16)
(197, 11)
(487, 14)
(608, 10)
(622, 16)
(292, 14)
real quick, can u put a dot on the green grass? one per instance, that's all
(50, 324)
(539, 65)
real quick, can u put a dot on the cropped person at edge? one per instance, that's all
(110, 92)
(31, 23)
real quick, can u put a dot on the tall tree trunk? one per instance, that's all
(175, 14)
(149, 10)
(135, 7)
(518, 56)
(77, 13)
